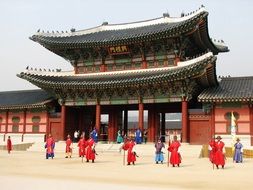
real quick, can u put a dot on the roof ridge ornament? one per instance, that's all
(105, 23)
(166, 15)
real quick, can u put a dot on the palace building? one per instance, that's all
(159, 66)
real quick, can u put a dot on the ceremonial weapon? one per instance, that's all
(124, 158)
(168, 162)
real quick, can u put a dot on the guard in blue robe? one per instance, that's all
(238, 151)
(94, 135)
(138, 136)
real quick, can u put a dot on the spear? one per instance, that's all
(124, 158)
(168, 163)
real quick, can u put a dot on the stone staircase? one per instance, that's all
(18, 147)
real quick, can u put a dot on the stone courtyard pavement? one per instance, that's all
(31, 171)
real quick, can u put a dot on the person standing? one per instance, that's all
(145, 136)
(50, 144)
(76, 136)
(138, 136)
(94, 135)
(90, 149)
(82, 146)
(119, 137)
(219, 156)
(175, 157)
(238, 151)
(68, 147)
(158, 151)
(9, 145)
(212, 150)
(131, 154)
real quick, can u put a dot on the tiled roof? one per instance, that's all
(230, 89)
(109, 35)
(24, 99)
(105, 80)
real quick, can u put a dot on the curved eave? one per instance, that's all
(96, 39)
(123, 79)
(206, 42)
(230, 99)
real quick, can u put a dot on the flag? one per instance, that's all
(233, 128)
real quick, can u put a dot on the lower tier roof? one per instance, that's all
(230, 89)
(122, 79)
(24, 99)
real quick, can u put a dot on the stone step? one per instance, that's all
(18, 147)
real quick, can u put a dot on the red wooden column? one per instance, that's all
(141, 116)
(212, 121)
(144, 62)
(151, 124)
(24, 125)
(184, 120)
(113, 126)
(63, 122)
(98, 117)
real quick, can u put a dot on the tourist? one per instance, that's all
(76, 136)
(119, 137)
(82, 146)
(145, 136)
(219, 156)
(68, 147)
(94, 135)
(90, 149)
(158, 151)
(212, 150)
(9, 145)
(50, 144)
(175, 157)
(238, 151)
(131, 153)
(138, 136)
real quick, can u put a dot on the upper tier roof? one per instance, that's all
(230, 89)
(116, 34)
(24, 99)
(118, 79)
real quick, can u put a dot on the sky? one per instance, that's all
(229, 20)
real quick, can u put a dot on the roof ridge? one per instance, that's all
(236, 77)
(121, 26)
(19, 91)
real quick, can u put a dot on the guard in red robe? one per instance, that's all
(212, 150)
(50, 144)
(219, 156)
(175, 157)
(90, 150)
(131, 154)
(82, 146)
(9, 145)
(68, 147)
